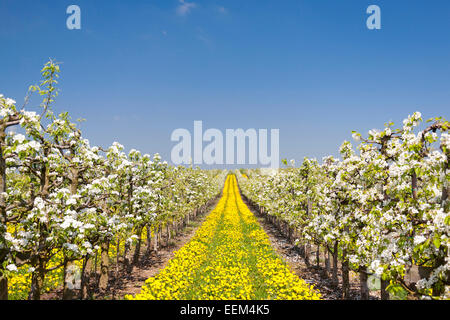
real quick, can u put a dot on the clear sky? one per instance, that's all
(139, 69)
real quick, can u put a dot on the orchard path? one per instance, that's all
(229, 257)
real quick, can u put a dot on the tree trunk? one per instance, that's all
(384, 293)
(335, 279)
(445, 203)
(149, 240)
(364, 289)
(69, 286)
(414, 184)
(95, 263)
(37, 281)
(318, 256)
(327, 262)
(3, 287)
(137, 249)
(118, 255)
(86, 278)
(126, 261)
(104, 266)
(168, 234)
(160, 235)
(155, 243)
(307, 252)
(345, 276)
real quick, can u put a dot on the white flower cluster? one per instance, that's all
(62, 195)
(385, 205)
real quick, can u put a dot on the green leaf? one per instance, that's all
(437, 241)
(397, 292)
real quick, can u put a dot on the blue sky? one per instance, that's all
(139, 69)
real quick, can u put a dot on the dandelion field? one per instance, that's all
(229, 258)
